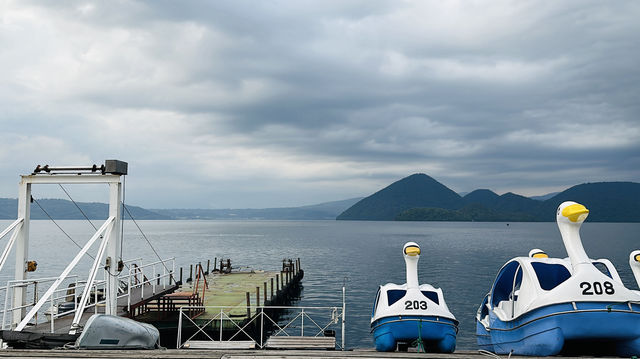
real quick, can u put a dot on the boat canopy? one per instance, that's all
(525, 283)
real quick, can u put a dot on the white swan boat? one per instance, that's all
(546, 306)
(412, 313)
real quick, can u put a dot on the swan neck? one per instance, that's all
(573, 244)
(412, 271)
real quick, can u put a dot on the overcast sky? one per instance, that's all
(234, 104)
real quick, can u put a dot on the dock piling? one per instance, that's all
(257, 297)
(271, 289)
(248, 305)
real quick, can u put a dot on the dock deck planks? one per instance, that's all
(229, 290)
(243, 354)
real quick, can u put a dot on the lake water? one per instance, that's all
(462, 258)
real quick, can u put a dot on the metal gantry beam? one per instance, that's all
(109, 173)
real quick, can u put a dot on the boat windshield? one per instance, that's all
(375, 304)
(395, 295)
(550, 275)
(602, 267)
(433, 296)
(504, 284)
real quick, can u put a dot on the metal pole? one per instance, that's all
(179, 336)
(113, 248)
(302, 325)
(52, 315)
(21, 251)
(344, 313)
(129, 293)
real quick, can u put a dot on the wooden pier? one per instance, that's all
(246, 354)
(237, 294)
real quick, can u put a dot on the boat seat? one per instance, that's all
(504, 308)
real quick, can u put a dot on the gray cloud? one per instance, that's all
(254, 104)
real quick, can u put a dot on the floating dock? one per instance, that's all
(220, 302)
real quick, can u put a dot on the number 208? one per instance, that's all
(597, 288)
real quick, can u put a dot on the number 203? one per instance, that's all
(408, 305)
(597, 288)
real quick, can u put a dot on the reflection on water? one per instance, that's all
(462, 258)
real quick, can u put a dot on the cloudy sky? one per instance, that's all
(218, 104)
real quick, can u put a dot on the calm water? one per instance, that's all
(461, 258)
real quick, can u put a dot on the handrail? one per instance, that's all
(60, 294)
(205, 286)
(12, 240)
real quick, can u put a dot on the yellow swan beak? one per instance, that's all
(575, 212)
(412, 251)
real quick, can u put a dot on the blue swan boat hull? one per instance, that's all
(591, 327)
(437, 334)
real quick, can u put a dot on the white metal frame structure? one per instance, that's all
(316, 323)
(109, 233)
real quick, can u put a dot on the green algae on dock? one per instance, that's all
(235, 291)
(228, 301)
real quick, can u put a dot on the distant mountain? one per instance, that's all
(606, 201)
(421, 198)
(544, 197)
(327, 210)
(418, 190)
(483, 197)
(63, 209)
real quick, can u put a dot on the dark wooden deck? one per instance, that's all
(63, 324)
(242, 354)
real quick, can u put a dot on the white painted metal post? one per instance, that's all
(53, 311)
(179, 335)
(344, 313)
(22, 251)
(129, 291)
(113, 248)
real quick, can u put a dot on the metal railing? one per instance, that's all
(149, 274)
(72, 288)
(303, 322)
